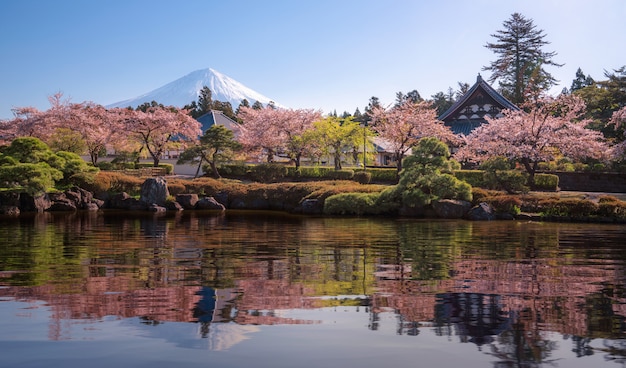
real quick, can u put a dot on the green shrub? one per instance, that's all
(511, 181)
(577, 208)
(351, 204)
(105, 165)
(340, 174)
(475, 178)
(505, 203)
(234, 170)
(385, 175)
(549, 182)
(611, 206)
(33, 178)
(268, 172)
(362, 177)
(169, 168)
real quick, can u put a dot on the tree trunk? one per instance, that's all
(297, 160)
(337, 161)
(398, 157)
(216, 173)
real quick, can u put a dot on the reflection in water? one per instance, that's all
(505, 287)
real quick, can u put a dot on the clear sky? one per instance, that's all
(322, 54)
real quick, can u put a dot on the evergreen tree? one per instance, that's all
(205, 101)
(373, 103)
(520, 62)
(581, 81)
(257, 105)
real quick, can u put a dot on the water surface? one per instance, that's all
(272, 290)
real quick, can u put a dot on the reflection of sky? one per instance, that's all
(341, 339)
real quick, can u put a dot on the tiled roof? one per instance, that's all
(484, 86)
(214, 117)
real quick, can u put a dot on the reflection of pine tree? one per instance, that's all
(523, 346)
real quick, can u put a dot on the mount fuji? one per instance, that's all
(184, 90)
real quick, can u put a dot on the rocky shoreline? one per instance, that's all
(155, 197)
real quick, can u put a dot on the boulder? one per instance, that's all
(154, 191)
(173, 206)
(9, 210)
(311, 207)
(209, 203)
(482, 212)
(29, 203)
(122, 201)
(61, 202)
(187, 201)
(451, 208)
(156, 208)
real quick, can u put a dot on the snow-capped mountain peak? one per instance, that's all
(184, 90)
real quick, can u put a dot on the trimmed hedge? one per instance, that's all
(475, 178)
(351, 204)
(546, 182)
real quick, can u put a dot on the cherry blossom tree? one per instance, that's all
(31, 122)
(552, 127)
(272, 130)
(158, 126)
(262, 134)
(402, 126)
(296, 124)
(618, 152)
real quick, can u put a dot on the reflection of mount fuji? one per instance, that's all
(185, 90)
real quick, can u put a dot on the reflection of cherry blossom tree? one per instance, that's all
(404, 125)
(552, 127)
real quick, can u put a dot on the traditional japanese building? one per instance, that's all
(216, 117)
(470, 111)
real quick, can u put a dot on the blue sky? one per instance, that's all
(323, 54)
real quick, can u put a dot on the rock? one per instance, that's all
(209, 203)
(91, 206)
(60, 202)
(482, 212)
(311, 207)
(154, 191)
(417, 211)
(10, 199)
(9, 210)
(187, 201)
(451, 208)
(156, 208)
(123, 201)
(173, 206)
(40, 203)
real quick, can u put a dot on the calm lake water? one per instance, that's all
(270, 290)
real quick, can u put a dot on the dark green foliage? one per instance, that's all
(475, 178)
(75, 165)
(504, 203)
(384, 175)
(519, 66)
(575, 208)
(30, 165)
(351, 204)
(427, 176)
(268, 172)
(546, 182)
(499, 174)
(29, 177)
(234, 170)
(340, 174)
(362, 177)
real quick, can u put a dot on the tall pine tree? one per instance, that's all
(519, 67)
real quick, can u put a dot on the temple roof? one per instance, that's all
(480, 92)
(215, 117)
